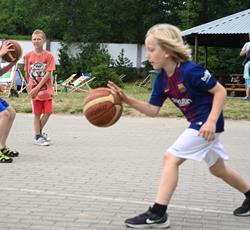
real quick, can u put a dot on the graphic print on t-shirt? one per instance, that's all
(37, 72)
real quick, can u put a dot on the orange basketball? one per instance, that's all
(14, 55)
(102, 107)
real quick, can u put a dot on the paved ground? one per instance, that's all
(94, 178)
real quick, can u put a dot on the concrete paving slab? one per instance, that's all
(94, 178)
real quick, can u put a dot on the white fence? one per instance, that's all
(134, 52)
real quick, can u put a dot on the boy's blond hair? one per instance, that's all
(170, 39)
(37, 31)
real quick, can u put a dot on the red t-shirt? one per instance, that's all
(36, 66)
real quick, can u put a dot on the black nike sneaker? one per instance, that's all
(244, 209)
(148, 220)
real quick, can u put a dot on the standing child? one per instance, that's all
(200, 98)
(7, 114)
(39, 65)
(245, 52)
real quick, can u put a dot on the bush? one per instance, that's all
(103, 74)
(223, 60)
(123, 66)
(65, 69)
(89, 57)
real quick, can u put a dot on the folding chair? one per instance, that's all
(68, 82)
(82, 83)
(20, 82)
(54, 83)
(144, 83)
(122, 76)
(8, 79)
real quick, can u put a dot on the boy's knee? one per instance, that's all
(171, 159)
(216, 171)
(13, 113)
(6, 114)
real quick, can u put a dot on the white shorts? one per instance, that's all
(191, 146)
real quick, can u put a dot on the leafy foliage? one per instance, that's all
(124, 66)
(89, 57)
(112, 21)
(65, 69)
(103, 74)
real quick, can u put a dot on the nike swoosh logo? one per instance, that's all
(148, 221)
(199, 123)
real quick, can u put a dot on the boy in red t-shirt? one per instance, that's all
(39, 66)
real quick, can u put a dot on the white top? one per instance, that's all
(246, 47)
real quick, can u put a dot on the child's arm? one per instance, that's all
(33, 92)
(208, 130)
(243, 51)
(141, 106)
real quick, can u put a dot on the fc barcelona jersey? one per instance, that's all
(188, 89)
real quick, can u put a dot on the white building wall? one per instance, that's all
(114, 49)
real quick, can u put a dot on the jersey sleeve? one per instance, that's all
(201, 79)
(158, 96)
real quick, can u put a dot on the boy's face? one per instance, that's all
(154, 53)
(38, 41)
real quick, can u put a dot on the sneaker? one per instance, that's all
(5, 159)
(9, 153)
(46, 136)
(41, 141)
(148, 220)
(244, 209)
(246, 98)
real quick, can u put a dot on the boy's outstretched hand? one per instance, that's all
(118, 90)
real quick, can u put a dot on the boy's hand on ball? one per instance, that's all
(118, 90)
(5, 48)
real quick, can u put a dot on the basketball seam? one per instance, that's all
(108, 98)
(116, 116)
(11, 56)
(100, 115)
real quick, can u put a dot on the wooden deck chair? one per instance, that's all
(20, 81)
(122, 76)
(82, 83)
(66, 84)
(69, 80)
(54, 83)
(8, 79)
(144, 83)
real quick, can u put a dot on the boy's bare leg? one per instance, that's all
(169, 178)
(39, 139)
(230, 176)
(234, 179)
(248, 92)
(7, 118)
(44, 120)
(37, 124)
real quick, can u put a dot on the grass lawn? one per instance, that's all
(72, 103)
